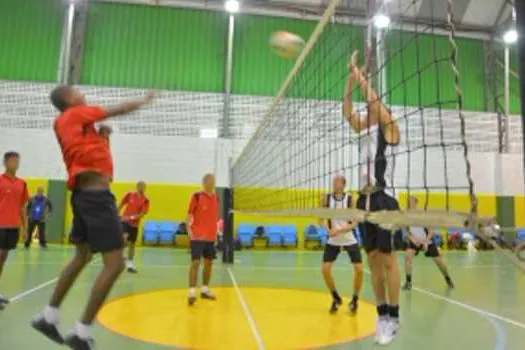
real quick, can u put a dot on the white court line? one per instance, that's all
(470, 307)
(39, 287)
(251, 321)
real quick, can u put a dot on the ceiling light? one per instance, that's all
(232, 6)
(381, 21)
(511, 36)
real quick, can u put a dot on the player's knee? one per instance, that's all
(195, 263)
(389, 261)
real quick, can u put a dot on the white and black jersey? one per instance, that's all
(377, 160)
(343, 202)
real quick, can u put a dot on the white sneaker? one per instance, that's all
(381, 326)
(389, 332)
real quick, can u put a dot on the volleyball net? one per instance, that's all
(304, 139)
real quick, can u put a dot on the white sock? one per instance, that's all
(83, 331)
(192, 292)
(205, 289)
(51, 314)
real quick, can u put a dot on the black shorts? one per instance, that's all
(9, 238)
(375, 237)
(202, 249)
(432, 249)
(96, 220)
(131, 231)
(331, 252)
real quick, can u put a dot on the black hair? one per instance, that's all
(11, 154)
(59, 97)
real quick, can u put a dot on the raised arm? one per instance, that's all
(130, 106)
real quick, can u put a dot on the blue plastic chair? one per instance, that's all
(167, 230)
(323, 235)
(245, 233)
(150, 233)
(521, 235)
(290, 236)
(311, 233)
(274, 234)
(437, 239)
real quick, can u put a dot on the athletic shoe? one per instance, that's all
(450, 284)
(381, 325)
(75, 342)
(50, 330)
(192, 299)
(208, 295)
(335, 305)
(132, 270)
(3, 300)
(389, 332)
(353, 305)
(130, 267)
(407, 286)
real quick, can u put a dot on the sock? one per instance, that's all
(335, 295)
(448, 279)
(82, 330)
(205, 289)
(393, 311)
(409, 278)
(51, 314)
(355, 297)
(192, 291)
(382, 311)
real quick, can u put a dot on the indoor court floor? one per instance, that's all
(269, 300)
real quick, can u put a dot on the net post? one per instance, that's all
(228, 245)
(520, 28)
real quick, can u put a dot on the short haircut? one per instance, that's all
(342, 178)
(59, 97)
(207, 176)
(11, 154)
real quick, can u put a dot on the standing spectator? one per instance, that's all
(136, 205)
(203, 216)
(39, 208)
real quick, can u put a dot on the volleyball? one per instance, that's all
(286, 45)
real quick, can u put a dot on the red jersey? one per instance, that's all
(83, 149)
(13, 196)
(136, 204)
(204, 209)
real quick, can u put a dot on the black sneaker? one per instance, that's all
(75, 342)
(49, 330)
(407, 286)
(353, 305)
(2, 307)
(3, 300)
(208, 295)
(335, 305)
(132, 270)
(450, 284)
(192, 300)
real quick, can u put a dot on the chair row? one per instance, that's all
(274, 235)
(160, 232)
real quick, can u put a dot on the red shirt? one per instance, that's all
(83, 149)
(13, 196)
(204, 209)
(136, 204)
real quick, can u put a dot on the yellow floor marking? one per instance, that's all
(285, 318)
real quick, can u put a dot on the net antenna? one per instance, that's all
(287, 166)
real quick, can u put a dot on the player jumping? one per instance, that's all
(342, 238)
(420, 239)
(382, 131)
(96, 223)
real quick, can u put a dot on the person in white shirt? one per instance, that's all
(341, 238)
(381, 134)
(420, 239)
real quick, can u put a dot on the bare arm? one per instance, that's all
(128, 107)
(324, 204)
(189, 220)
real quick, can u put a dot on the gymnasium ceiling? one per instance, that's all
(477, 16)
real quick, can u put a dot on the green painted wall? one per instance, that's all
(155, 47)
(30, 36)
(419, 71)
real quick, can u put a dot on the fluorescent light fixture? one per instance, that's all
(209, 133)
(511, 36)
(381, 21)
(232, 6)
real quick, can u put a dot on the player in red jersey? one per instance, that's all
(96, 222)
(13, 218)
(203, 216)
(136, 205)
